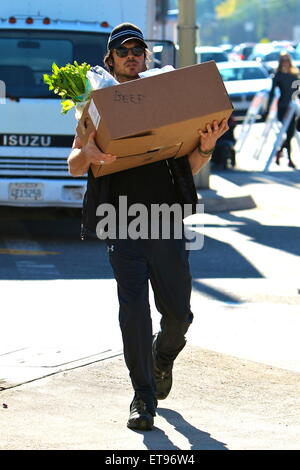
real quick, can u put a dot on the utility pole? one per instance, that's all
(265, 19)
(187, 33)
(161, 7)
(187, 56)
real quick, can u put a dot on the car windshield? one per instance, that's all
(30, 54)
(216, 56)
(242, 73)
(276, 56)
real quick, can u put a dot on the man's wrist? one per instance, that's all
(205, 153)
(85, 156)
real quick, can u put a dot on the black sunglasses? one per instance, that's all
(137, 51)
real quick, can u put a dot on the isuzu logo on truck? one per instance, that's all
(26, 140)
(23, 140)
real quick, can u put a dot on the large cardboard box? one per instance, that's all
(154, 118)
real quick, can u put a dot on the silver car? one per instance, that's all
(271, 59)
(206, 53)
(243, 80)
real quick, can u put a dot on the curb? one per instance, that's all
(223, 204)
(223, 195)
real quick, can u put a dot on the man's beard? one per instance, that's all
(126, 74)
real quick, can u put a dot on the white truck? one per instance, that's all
(35, 138)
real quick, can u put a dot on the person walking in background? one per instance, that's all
(136, 261)
(284, 77)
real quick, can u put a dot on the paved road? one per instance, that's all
(245, 282)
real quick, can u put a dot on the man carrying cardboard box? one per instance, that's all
(135, 261)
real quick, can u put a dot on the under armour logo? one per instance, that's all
(110, 248)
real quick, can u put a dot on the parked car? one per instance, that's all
(266, 48)
(283, 44)
(271, 59)
(206, 53)
(243, 80)
(242, 51)
(262, 48)
(227, 48)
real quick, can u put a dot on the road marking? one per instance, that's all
(10, 251)
(33, 268)
(27, 254)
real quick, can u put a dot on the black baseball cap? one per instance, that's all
(125, 32)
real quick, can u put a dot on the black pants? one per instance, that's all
(165, 264)
(290, 130)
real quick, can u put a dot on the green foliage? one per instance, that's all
(243, 8)
(69, 82)
(232, 15)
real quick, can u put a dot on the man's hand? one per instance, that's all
(94, 155)
(207, 141)
(213, 132)
(82, 156)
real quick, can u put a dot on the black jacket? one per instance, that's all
(97, 193)
(284, 81)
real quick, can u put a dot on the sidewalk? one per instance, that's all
(78, 397)
(217, 402)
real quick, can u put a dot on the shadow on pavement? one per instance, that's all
(198, 440)
(220, 259)
(243, 178)
(214, 293)
(285, 238)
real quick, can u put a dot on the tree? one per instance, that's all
(226, 8)
(232, 16)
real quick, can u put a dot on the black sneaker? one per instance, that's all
(163, 377)
(140, 417)
(291, 164)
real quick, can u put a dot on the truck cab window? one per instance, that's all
(29, 55)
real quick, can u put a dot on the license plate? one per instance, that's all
(25, 191)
